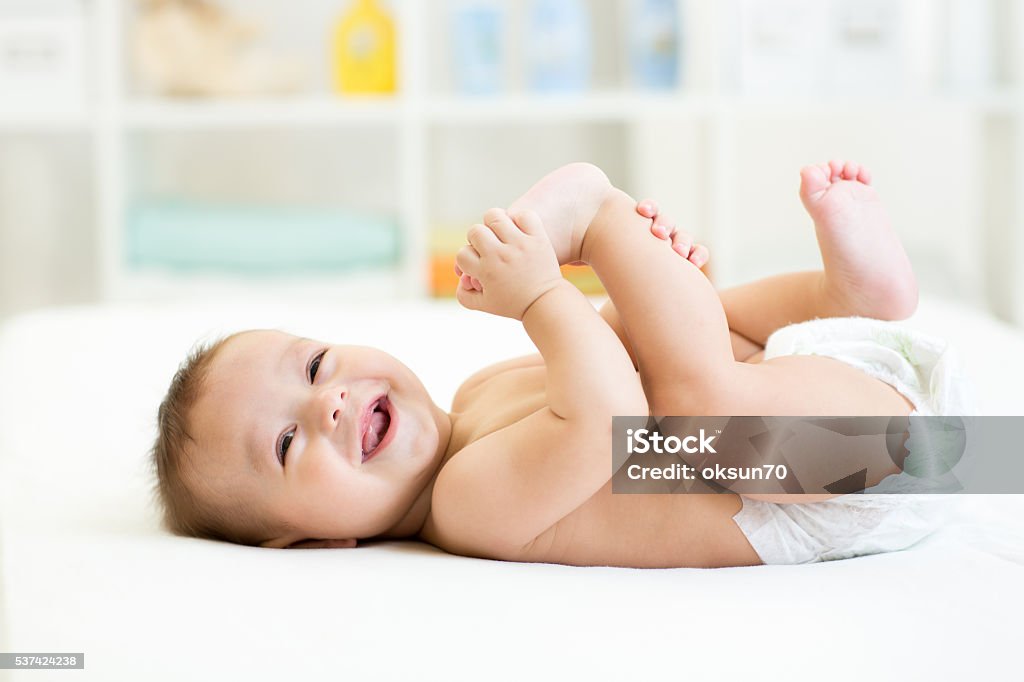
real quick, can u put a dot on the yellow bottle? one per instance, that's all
(364, 50)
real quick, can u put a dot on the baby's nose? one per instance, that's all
(334, 401)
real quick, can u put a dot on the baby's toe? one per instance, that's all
(864, 175)
(835, 169)
(647, 208)
(662, 227)
(850, 170)
(682, 243)
(700, 255)
(814, 179)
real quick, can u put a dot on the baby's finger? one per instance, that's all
(500, 223)
(647, 208)
(468, 298)
(700, 255)
(467, 260)
(530, 223)
(481, 238)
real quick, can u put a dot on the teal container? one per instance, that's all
(256, 240)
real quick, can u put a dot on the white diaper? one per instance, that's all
(840, 528)
(920, 367)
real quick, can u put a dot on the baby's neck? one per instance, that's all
(419, 511)
(413, 521)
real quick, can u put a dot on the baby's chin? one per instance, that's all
(422, 429)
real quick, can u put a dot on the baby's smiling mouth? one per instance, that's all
(375, 422)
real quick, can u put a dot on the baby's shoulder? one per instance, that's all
(486, 374)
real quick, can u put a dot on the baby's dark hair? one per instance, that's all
(173, 457)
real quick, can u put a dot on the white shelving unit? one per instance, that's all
(45, 121)
(424, 117)
(155, 114)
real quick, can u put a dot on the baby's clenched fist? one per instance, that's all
(512, 260)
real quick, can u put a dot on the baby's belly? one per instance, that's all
(648, 531)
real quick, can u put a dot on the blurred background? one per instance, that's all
(154, 150)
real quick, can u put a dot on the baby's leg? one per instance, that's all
(678, 329)
(867, 272)
(743, 349)
(757, 309)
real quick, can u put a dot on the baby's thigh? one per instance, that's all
(802, 386)
(798, 385)
(756, 358)
(812, 385)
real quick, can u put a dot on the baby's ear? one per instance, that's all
(322, 544)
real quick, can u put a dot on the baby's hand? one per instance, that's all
(664, 228)
(512, 261)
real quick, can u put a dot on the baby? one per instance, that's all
(274, 440)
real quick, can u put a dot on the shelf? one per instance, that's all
(148, 285)
(145, 143)
(158, 114)
(998, 102)
(46, 120)
(601, 106)
(163, 114)
(627, 105)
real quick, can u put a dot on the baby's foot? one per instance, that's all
(664, 227)
(867, 272)
(566, 201)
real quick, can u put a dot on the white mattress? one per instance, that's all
(85, 568)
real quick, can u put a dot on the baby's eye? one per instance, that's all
(283, 444)
(315, 365)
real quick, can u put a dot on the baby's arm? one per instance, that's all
(515, 264)
(504, 490)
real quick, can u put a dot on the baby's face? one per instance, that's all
(337, 441)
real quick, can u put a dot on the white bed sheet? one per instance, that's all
(84, 566)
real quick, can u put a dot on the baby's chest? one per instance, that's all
(504, 399)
